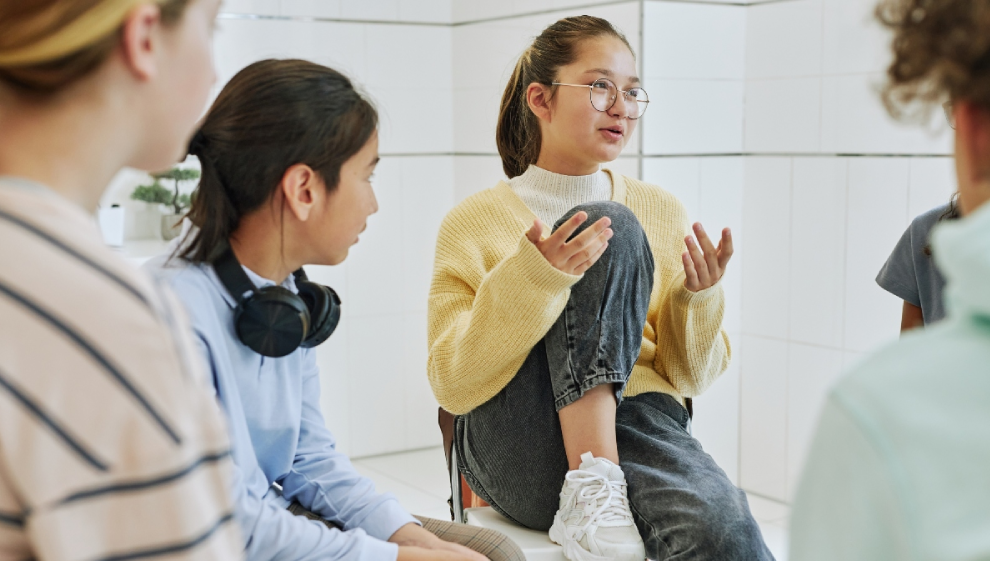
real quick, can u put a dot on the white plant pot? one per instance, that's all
(171, 226)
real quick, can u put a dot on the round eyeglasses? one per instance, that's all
(604, 93)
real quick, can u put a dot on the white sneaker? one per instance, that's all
(594, 522)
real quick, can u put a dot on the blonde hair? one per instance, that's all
(47, 44)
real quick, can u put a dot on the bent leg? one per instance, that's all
(511, 448)
(684, 504)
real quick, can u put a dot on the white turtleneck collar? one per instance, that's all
(550, 195)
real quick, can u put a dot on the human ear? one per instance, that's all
(140, 41)
(298, 185)
(538, 99)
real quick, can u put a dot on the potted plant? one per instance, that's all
(172, 201)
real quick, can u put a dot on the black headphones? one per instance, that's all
(273, 321)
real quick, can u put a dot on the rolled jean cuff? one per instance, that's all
(572, 395)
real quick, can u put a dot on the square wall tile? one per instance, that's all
(411, 56)
(694, 41)
(783, 115)
(766, 242)
(421, 407)
(311, 8)
(877, 217)
(485, 55)
(818, 251)
(372, 262)
(439, 11)
(473, 174)
(763, 418)
(250, 7)
(680, 177)
(414, 120)
(784, 39)
(378, 425)
(854, 121)
(932, 183)
(693, 117)
(811, 373)
(371, 10)
(854, 41)
(722, 184)
(716, 419)
(427, 195)
(476, 111)
(335, 396)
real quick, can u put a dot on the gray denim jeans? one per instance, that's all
(511, 451)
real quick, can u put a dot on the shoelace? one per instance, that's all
(606, 488)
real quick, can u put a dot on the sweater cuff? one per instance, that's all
(386, 520)
(536, 269)
(684, 297)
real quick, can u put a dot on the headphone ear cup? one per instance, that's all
(324, 308)
(272, 323)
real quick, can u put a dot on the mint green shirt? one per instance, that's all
(899, 468)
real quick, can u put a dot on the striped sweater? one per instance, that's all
(494, 296)
(111, 446)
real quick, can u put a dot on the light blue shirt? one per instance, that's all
(899, 469)
(279, 437)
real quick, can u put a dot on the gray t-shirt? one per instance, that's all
(911, 275)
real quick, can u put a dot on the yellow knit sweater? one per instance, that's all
(494, 296)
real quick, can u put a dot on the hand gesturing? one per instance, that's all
(704, 264)
(579, 254)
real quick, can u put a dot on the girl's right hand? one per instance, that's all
(412, 553)
(578, 255)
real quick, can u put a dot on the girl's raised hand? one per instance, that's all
(704, 264)
(578, 255)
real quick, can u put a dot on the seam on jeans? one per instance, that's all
(595, 381)
(653, 530)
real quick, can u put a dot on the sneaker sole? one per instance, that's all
(572, 550)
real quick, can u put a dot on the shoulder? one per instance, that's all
(653, 200)
(195, 285)
(923, 223)
(476, 209)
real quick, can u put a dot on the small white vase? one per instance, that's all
(171, 226)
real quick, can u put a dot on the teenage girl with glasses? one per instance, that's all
(567, 354)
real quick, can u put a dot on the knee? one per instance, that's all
(623, 219)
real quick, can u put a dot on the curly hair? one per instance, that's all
(941, 52)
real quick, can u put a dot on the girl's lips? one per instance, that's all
(611, 134)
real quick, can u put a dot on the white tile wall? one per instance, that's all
(763, 417)
(694, 116)
(716, 420)
(811, 372)
(877, 216)
(932, 183)
(853, 40)
(784, 40)
(854, 121)
(767, 240)
(783, 115)
(694, 41)
(679, 176)
(475, 173)
(818, 251)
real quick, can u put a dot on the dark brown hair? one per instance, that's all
(941, 51)
(518, 132)
(26, 23)
(272, 115)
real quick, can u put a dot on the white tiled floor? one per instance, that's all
(419, 480)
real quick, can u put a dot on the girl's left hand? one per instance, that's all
(704, 264)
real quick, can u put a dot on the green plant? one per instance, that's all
(156, 193)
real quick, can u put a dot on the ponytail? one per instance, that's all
(272, 115)
(518, 132)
